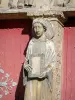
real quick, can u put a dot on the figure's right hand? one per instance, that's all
(44, 74)
(28, 68)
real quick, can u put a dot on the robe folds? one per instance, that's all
(39, 88)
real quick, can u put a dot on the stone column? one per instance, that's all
(58, 30)
(57, 71)
(56, 19)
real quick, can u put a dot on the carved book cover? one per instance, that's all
(37, 65)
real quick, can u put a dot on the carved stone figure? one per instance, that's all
(62, 2)
(12, 4)
(40, 4)
(29, 2)
(44, 4)
(25, 3)
(20, 3)
(40, 59)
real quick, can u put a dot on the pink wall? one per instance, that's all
(14, 37)
(68, 82)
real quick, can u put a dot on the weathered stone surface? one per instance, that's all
(40, 4)
(58, 40)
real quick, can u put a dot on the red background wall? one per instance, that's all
(14, 37)
(68, 75)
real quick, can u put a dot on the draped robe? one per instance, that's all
(40, 89)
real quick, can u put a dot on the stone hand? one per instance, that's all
(43, 75)
(28, 68)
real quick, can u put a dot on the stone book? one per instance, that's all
(37, 64)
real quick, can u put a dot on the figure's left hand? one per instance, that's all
(43, 75)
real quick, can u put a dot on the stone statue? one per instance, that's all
(39, 61)
(12, 4)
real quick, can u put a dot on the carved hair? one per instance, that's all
(49, 33)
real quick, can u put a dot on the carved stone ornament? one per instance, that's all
(40, 60)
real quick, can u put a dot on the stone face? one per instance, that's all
(12, 4)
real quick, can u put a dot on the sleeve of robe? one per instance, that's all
(25, 73)
(50, 61)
